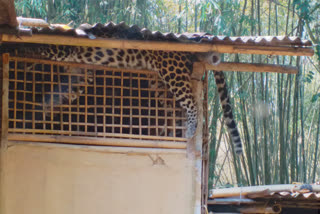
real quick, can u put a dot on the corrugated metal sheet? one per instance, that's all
(279, 191)
(312, 196)
(296, 195)
(123, 31)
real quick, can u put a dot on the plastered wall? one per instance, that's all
(64, 179)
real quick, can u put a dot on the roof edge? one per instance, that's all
(159, 45)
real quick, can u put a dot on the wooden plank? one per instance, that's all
(253, 67)
(96, 141)
(4, 127)
(93, 134)
(5, 100)
(155, 45)
(100, 149)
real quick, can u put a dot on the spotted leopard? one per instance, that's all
(174, 68)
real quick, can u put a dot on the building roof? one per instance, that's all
(123, 31)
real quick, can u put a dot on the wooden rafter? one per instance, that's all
(252, 67)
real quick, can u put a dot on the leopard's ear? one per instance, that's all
(212, 58)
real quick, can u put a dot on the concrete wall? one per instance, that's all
(66, 179)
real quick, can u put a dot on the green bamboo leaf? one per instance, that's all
(315, 97)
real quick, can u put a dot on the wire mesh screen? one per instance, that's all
(55, 98)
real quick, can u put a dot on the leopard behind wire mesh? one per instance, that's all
(174, 69)
(91, 102)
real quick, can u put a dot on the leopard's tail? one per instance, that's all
(227, 111)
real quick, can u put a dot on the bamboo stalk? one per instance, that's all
(315, 159)
(166, 46)
(96, 141)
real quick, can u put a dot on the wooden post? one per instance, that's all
(4, 127)
(194, 147)
(205, 146)
(8, 13)
(5, 93)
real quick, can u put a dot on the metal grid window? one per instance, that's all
(58, 98)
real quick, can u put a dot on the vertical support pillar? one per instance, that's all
(194, 148)
(4, 127)
(205, 146)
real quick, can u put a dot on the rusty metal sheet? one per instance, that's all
(123, 31)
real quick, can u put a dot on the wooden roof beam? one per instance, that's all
(199, 68)
(223, 66)
(252, 67)
(155, 45)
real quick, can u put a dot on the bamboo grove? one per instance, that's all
(278, 114)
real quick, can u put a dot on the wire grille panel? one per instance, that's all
(58, 98)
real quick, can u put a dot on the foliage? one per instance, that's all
(278, 114)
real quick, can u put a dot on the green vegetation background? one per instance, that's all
(278, 114)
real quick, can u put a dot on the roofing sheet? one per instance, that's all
(280, 191)
(123, 31)
(295, 195)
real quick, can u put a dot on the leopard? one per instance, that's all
(173, 67)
